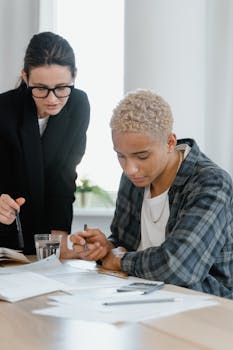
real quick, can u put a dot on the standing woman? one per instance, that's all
(43, 126)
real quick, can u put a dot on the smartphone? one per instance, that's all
(140, 286)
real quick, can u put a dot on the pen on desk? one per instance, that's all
(85, 245)
(153, 288)
(19, 228)
(142, 301)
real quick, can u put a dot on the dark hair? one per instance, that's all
(47, 48)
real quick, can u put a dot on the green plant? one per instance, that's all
(86, 186)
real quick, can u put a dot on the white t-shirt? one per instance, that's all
(154, 217)
(155, 213)
(42, 124)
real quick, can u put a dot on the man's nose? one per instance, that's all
(130, 168)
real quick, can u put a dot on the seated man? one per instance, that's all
(174, 212)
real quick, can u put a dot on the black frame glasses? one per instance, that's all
(43, 92)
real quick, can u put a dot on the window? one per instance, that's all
(95, 31)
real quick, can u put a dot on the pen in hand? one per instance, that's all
(85, 244)
(19, 228)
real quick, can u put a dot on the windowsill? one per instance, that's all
(93, 211)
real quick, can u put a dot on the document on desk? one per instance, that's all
(76, 275)
(23, 285)
(7, 254)
(89, 305)
(47, 266)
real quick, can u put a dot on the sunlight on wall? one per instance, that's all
(95, 31)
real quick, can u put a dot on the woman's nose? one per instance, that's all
(51, 96)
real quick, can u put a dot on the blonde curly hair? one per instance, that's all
(143, 111)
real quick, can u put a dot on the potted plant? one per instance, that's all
(85, 187)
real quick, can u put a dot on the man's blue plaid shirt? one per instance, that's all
(198, 249)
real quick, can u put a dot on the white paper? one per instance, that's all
(44, 267)
(87, 305)
(78, 274)
(7, 254)
(23, 285)
(90, 290)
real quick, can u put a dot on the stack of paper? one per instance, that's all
(22, 285)
(89, 305)
(12, 255)
(95, 296)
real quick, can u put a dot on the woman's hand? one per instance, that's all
(8, 206)
(91, 244)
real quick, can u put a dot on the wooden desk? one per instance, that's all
(207, 328)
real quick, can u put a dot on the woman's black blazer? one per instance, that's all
(41, 169)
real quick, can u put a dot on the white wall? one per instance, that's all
(18, 22)
(165, 51)
(219, 97)
(182, 49)
(95, 218)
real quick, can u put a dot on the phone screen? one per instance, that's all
(140, 286)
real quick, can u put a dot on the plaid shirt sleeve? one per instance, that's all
(198, 250)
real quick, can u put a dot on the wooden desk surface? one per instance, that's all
(207, 328)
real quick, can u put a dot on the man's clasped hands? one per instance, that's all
(93, 245)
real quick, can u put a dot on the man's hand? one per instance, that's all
(112, 261)
(65, 252)
(91, 244)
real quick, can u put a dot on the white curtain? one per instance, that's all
(183, 49)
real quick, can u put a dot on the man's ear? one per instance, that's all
(171, 142)
(24, 77)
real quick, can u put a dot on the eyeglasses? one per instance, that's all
(43, 92)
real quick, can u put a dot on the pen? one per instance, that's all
(85, 245)
(142, 301)
(19, 228)
(153, 288)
